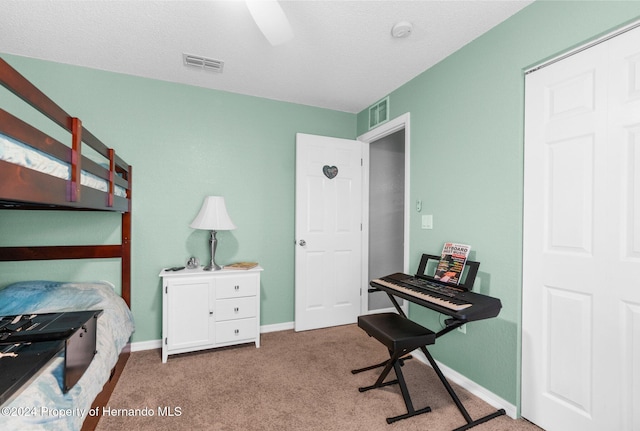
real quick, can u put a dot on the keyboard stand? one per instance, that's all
(451, 324)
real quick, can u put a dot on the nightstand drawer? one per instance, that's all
(235, 308)
(237, 286)
(236, 330)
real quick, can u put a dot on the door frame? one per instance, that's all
(399, 123)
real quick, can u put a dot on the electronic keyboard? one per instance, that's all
(443, 298)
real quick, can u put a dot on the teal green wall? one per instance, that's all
(467, 168)
(184, 143)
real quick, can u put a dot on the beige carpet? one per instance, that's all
(294, 381)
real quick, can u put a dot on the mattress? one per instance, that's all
(16, 152)
(42, 405)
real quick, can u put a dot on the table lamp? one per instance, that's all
(213, 216)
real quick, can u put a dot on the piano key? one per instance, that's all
(456, 303)
(447, 303)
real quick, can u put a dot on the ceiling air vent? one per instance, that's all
(203, 62)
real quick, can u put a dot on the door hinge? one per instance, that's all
(165, 341)
(166, 289)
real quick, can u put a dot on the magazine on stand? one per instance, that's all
(454, 257)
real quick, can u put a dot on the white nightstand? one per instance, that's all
(208, 309)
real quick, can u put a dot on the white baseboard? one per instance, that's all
(471, 386)
(157, 344)
(146, 345)
(276, 327)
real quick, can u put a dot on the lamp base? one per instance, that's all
(213, 242)
(212, 267)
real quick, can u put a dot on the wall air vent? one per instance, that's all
(205, 63)
(379, 112)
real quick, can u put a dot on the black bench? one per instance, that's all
(401, 336)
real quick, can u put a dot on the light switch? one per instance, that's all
(427, 221)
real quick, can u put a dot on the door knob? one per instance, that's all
(302, 242)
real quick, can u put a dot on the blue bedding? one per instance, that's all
(42, 405)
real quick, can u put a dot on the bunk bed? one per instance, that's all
(68, 181)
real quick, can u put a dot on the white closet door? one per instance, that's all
(581, 255)
(623, 281)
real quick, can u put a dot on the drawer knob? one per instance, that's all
(237, 331)
(236, 309)
(236, 287)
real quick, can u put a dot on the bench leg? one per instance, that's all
(381, 364)
(383, 375)
(407, 398)
(396, 363)
(370, 367)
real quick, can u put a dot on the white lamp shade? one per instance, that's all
(213, 215)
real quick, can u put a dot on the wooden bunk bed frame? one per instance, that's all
(24, 188)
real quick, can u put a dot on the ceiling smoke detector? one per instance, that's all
(402, 29)
(210, 64)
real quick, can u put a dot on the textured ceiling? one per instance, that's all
(342, 55)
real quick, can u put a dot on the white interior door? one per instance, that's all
(581, 255)
(328, 231)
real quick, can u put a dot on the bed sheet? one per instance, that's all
(42, 405)
(16, 152)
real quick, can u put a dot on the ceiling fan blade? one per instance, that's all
(271, 20)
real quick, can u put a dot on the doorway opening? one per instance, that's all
(386, 212)
(385, 208)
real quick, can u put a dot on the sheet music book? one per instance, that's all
(452, 260)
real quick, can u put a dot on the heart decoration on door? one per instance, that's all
(330, 171)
